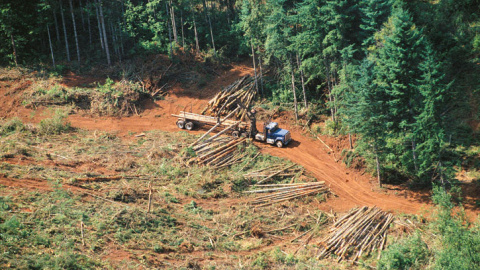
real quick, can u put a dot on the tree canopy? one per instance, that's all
(401, 75)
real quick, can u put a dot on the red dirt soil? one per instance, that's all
(352, 187)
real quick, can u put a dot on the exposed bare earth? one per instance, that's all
(352, 187)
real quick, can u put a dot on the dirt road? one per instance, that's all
(353, 188)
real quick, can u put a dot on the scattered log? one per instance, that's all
(149, 197)
(223, 131)
(105, 199)
(300, 236)
(220, 121)
(314, 230)
(281, 229)
(218, 152)
(275, 173)
(262, 173)
(331, 150)
(248, 163)
(82, 233)
(285, 192)
(99, 179)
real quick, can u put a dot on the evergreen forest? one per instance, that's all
(399, 79)
(400, 75)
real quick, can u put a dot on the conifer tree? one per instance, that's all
(429, 128)
(396, 69)
(277, 33)
(408, 74)
(252, 21)
(312, 30)
(338, 19)
(64, 31)
(374, 14)
(8, 19)
(366, 112)
(75, 31)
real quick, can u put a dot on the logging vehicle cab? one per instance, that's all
(272, 134)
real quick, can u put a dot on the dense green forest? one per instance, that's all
(396, 83)
(402, 76)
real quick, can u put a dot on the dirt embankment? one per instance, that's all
(353, 188)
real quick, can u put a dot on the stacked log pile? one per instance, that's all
(269, 173)
(242, 91)
(357, 233)
(218, 152)
(285, 192)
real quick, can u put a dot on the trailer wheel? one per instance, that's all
(235, 134)
(189, 125)
(181, 124)
(279, 144)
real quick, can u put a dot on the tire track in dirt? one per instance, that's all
(351, 187)
(37, 185)
(33, 184)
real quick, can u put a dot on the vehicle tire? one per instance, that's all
(189, 125)
(235, 134)
(279, 144)
(181, 124)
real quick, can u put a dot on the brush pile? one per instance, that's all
(242, 91)
(358, 232)
(116, 99)
(218, 152)
(285, 192)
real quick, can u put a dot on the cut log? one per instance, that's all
(357, 233)
(220, 121)
(274, 174)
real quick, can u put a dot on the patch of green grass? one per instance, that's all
(409, 253)
(170, 198)
(474, 173)
(261, 261)
(13, 125)
(14, 73)
(111, 98)
(52, 226)
(191, 206)
(55, 125)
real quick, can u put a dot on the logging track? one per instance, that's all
(352, 187)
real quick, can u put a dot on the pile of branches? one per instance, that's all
(117, 99)
(218, 152)
(110, 99)
(266, 174)
(358, 232)
(285, 192)
(242, 91)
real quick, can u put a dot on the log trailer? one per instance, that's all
(271, 133)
